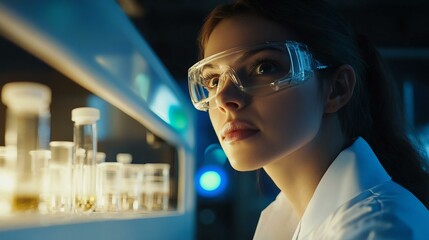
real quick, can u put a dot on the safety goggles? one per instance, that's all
(256, 70)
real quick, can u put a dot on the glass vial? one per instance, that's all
(109, 186)
(7, 180)
(84, 160)
(156, 189)
(132, 187)
(59, 185)
(27, 129)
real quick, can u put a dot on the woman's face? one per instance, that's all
(258, 130)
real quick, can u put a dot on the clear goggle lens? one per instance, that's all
(256, 70)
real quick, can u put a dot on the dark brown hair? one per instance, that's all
(374, 112)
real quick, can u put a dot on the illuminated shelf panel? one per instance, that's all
(31, 220)
(97, 226)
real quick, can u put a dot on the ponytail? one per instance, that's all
(388, 136)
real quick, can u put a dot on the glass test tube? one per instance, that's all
(84, 160)
(27, 129)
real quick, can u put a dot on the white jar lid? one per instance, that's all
(26, 95)
(85, 115)
(125, 158)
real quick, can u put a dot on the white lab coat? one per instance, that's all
(355, 199)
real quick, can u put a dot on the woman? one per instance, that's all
(290, 89)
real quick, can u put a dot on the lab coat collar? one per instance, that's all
(352, 172)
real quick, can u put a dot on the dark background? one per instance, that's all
(400, 30)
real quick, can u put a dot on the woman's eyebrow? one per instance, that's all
(243, 56)
(256, 51)
(208, 66)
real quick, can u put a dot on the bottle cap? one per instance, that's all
(100, 157)
(124, 158)
(85, 115)
(26, 95)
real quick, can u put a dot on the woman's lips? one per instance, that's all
(236, 131)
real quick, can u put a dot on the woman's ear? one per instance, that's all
(340, 88)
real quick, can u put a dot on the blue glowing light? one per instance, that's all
(211, 181)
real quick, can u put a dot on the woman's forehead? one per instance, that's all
(244, 30)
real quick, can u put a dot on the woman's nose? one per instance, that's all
(229, 97)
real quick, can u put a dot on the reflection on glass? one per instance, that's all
(142, 85)
(165, 104)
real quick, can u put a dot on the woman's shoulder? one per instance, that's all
(385, 211)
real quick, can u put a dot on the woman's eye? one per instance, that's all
(211, 82)
(265, 68)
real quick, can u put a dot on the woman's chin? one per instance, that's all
(244, 166)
